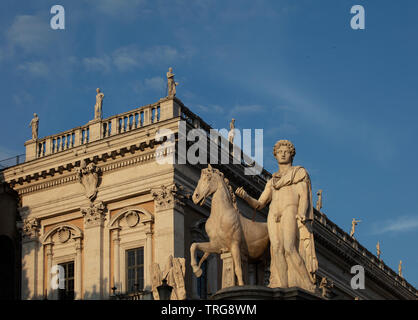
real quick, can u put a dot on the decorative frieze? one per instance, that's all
(94, 215)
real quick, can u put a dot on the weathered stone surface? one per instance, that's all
(264, 293)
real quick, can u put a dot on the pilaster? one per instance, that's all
(94, 217)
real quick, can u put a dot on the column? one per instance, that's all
(169, 223)
(148, 259)
(116, 259)
(49, 257)
(30, 242)
(78, 272)
(93, 250)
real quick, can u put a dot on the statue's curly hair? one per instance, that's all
(286, 143)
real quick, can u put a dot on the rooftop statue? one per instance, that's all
(400, 269)
(319, 201)
(378, 252)
(98, 105)
(231, 133)
(353, 226)
(34, 124)
(171, 83)
(290, 218)
(227, 229)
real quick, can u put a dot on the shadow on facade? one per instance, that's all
(10, 246)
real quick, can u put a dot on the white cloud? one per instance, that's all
(209, 108)
(283, 128)
(120, 9)
(156, 84)
(131, 57)
(401, 224)
(23, 98)
(246, 109)
(30, 33)
(101, 64)
(34, 68)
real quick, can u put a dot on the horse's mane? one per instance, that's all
(231, 191)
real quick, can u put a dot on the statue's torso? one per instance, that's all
(285, 199)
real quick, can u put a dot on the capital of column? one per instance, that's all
(168, 196)
(94, 215)
(29, 228)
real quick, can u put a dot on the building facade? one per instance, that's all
(97, 209)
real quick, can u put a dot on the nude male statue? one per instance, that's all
(98, 105)
(289, 222)
(34, 124)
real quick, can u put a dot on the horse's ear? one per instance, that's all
(209, 166)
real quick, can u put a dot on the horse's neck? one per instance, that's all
(221, 198)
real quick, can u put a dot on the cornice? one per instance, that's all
(71, 177)
(351, 251)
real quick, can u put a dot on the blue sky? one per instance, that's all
(347, 98)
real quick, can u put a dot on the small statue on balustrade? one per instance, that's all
(171, 83)
(98, 105)
(34, 124)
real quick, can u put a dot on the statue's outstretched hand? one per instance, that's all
(240, 192)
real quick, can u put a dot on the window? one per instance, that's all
(135, 269)
(68, 292)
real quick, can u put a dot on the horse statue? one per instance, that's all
(227, 229)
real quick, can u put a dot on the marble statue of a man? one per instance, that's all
(289, 222)
(34, 124)
(171, 83)
(231, 133)
(98, 105)
(319, 201)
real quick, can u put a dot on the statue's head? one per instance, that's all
(98, 90)
(207, 185)
(284, 151)
(233, 120)
(170, 69)
(35, 115)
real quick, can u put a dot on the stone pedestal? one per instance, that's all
(169, 108)
(31, 148)
(95, 127)
(94, 218)
(228, 275)
(263, 293)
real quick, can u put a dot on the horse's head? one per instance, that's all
(207, 185)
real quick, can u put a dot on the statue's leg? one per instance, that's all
(293, 258)
(205, 256)
(207, 248)
(278, 266)
(236, 257)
